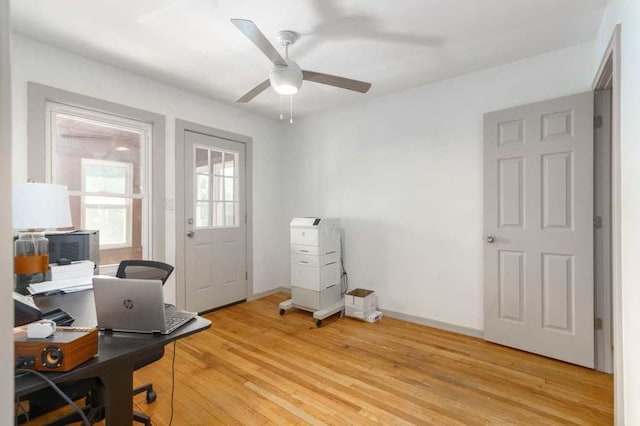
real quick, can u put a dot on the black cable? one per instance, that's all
(344, 276)
(173, 376)
(64, 396)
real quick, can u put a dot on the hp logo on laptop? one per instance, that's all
(128, 303)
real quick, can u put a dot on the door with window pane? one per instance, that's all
(215, 245)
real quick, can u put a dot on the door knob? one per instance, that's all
(190, 234)
(491, 239)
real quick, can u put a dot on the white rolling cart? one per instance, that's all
(316, 268)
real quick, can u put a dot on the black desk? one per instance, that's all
(117, 354)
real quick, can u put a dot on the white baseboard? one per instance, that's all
(433, 323)
(391, 314)
(268, 293)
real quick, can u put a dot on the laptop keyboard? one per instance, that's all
(176, 319)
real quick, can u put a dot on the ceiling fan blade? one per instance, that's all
(334, 80)
(254, 34)
(254, 92)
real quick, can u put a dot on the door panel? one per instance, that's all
(511, 282)
(215, 244)
(511, 192)
(538, 209)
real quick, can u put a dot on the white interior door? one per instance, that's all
(215, 244)
(538, 222)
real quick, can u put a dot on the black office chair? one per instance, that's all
(145, 270)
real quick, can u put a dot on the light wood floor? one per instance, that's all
(255, 367)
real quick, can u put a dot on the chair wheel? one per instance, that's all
(151, 396)
(282, 311)
(319, 323)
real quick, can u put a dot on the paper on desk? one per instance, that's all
(78, 288)
(61, 285)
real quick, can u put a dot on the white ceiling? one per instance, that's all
(394, 44)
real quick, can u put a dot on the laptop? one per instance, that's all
(134, 305)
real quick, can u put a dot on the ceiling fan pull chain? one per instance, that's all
(281, 116)
(291, 109)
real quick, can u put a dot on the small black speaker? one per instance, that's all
(52, 357)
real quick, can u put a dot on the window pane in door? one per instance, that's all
(218, 214)
(229, 164)
(216, 162)
(202, 160)
(202, 187)
(203, 213)
(229, 189)
(217, 188)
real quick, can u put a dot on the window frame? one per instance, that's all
(39, 94)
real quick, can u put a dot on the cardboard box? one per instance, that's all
(361, 299)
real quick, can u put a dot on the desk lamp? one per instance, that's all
(36, 207)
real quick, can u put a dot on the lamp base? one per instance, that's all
(31, 261)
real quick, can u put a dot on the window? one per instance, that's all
(216, 188)
(109, 212)
(103, 159)
(66, 127)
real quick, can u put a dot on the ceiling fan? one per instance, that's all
(286, 76)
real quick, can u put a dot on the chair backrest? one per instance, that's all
(144, 269)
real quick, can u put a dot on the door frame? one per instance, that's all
(609, 69)
(181, 228)
(603, 335)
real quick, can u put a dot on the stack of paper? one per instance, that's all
(77, 276)
(79, 269)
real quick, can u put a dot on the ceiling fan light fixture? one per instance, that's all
(286, 89)
(286, 80)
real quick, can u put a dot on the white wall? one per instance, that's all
(34, 61)
(6, 247)
(627, 12)
(404, 173)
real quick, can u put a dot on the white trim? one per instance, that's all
(263, 294)
(440, 325)
(613, 51)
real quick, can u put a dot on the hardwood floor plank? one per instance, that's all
(259, 368)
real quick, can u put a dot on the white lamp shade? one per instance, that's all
(286, 80)
(40, 206)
